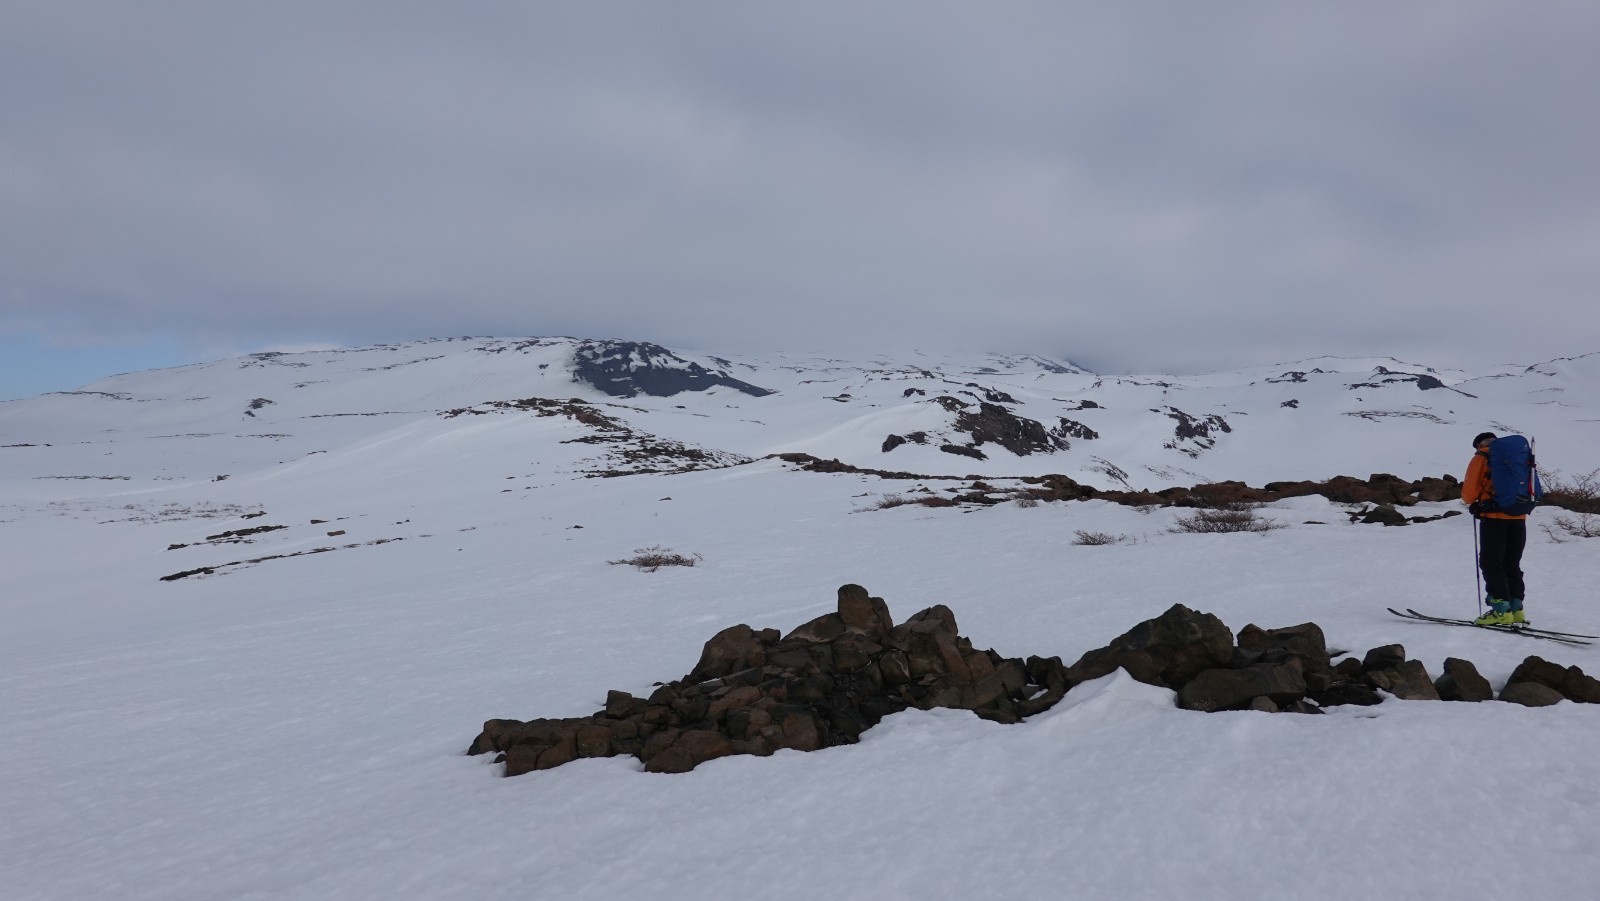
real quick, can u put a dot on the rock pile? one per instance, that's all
(826, 682)
(823, 684)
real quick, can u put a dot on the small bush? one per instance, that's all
(1229, 518)
(1097, 539)
(650, 559)
(1027, 501)
(1579, 496)
(889, 501)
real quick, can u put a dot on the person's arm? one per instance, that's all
(1472, 485)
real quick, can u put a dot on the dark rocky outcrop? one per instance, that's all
(1169, 650)
(994, 424)
(755, 691)
(1570, 682)
(1379, 489)
(823, 684)
(1530, 694)
(631, 368)
(1462, 682)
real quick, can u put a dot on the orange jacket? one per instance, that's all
(1477, 486)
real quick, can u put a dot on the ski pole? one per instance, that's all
(1477, 562)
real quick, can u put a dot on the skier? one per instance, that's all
(1502, 537)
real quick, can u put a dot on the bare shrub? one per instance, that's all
(650, 559)
(1027, 501)
(890, 501)
(1098, 539)
(1228, 518)
(1579, 496)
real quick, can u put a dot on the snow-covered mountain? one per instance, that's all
(253, 612)
(937, 414)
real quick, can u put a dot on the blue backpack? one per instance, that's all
(1514, 476)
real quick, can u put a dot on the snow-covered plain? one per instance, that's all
(295, 727)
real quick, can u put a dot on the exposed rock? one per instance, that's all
(994, 424)
(1169, 650)
(1462, 682)
(1236, 689)
(630, 368)
(1531, 694)
(1388, 656)
(1409, 681)
(1383, 513)
(1347, 692)
(829, 680)
(821, 685)
(1570, 682)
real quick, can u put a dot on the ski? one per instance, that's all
(1517, 628)
(1545, 635)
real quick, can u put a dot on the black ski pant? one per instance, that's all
(1500, 556)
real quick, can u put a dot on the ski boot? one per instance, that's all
(1499, 613)
(1518, 618)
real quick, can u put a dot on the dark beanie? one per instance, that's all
(1482, 436)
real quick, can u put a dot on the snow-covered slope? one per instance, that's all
(988, 415)
(384, 550)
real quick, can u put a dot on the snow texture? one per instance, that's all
(295, 727)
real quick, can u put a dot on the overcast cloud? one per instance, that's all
(1137, 186)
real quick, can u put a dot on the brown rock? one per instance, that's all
(733, 649)
(826, 627)
(1235, 689)
(801, 731)
(1531, 694)
(1169, 650)
(1462, 682)
(620, 704)
(691, 749)
(1409, 681)
(862, 613)
(1387, 657)
(733, 700)
(592, 741)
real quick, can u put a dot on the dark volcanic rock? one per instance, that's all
(994, 424)
(829, 680)
(1462, 682)
(1236, 689)
(1570, 682)
(630, 368)
(1531, 694)
(1409, 681)
(821, 685)
(1168, 650)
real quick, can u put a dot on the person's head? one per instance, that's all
(1483, 440)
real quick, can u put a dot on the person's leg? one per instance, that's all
(1492, 559)
(1492, 556)
(1516, 540)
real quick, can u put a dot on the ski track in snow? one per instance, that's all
(296, 728)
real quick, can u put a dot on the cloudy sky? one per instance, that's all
(1137, 186)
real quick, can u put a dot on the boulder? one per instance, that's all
(1462, 682)
(1235, 689)
(1169, 650)
(1409, 681)
(862, 613)
(1387, 657)
(1347, 692)
(1385, 514)
(1531, 694)
(1570, 682)
(822, 685)
(734, 648)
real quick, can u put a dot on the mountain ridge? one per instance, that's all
(933, 412)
